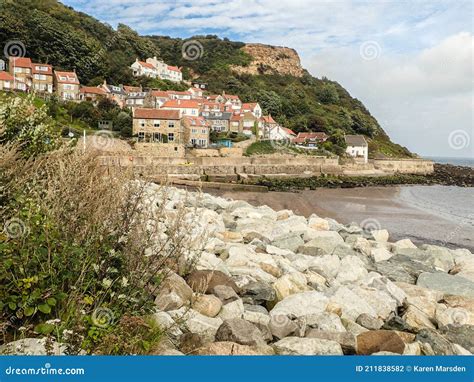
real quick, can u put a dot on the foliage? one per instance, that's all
(27, 125)
(74, 246)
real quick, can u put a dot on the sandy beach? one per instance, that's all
(400, 210)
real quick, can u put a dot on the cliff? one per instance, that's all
(268, 59)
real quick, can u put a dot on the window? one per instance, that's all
(194, 131)
(63, 78)
(193, 141)
(156, 123)
(141, 136)
(171, 124)
(170, 137)
(156, 137)
(18, 70)
(204, 131)
(202, 142)
(142, 123)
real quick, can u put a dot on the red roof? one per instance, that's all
(179, 92)
(289, 131)
(5, 76)
(70, 77)
(92, 90)
(48, 72)
(159, 93)
(268, 119)
(156, 114)
(181, 104)
(231, 96)
(195, 121)
(132, 89)
(174, 68)
(249, 106)
(20, 62)
(146, 65)
(236, 118)
(316, 136)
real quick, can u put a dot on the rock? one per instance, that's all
(207, 304)
(321, 243)
(345, 339)
(380, 235)
(281, 326)
(413, 348)
(307, 346)
(456, 310)
(433, 342)
(195, 322)
(317, 223)
(379, 340)
(402, 268)
(360, 244)
(33, 346)
(351, 269)
(301, 304)
(190, 342)
(405, 243)
(421, 298)
(397, 323)
(446, 283)
(380, 254)
(325, 321)
(225, 348)
(353, 327)
(290, 242)
(256, 308)
(289, 284)
(204, 281)
(234, 309)
(232, 237)
(225, 293)
(369, 322)
(257, 293)
(166, 323)
(433, 256)
(173, 293)
(460, 334)
(415, 318)
(239, 331)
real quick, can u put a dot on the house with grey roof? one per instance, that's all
(357, 146)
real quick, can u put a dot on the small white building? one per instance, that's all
(357, 146)
(278, 133)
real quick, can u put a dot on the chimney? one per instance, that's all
(179, 101)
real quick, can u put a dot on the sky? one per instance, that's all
(409, 62)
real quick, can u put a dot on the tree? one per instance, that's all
(29, 126)
(329, 95)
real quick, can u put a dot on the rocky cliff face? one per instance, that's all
(269, 59)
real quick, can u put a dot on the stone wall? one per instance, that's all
(404, 166)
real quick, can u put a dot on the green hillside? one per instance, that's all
(56, 34)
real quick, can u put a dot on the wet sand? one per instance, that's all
(371, 207)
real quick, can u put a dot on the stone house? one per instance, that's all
(219, 121)
(91, 93)
(196, 131)
(157, 126)
(66, 85)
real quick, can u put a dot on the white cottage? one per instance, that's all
(357, 146)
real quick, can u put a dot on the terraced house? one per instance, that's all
(42, 78)
(196, 131)
(66, 85)
(20, 69)
(157, 126)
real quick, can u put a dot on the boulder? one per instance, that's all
(416, 319)
(345, 339)
(317, 223)
(257, 293)
(195, 322)
(404, 243)
(239, 331)
(433, 343)
(204, 281)
(351, 269)
(301, 304)
(375, 341)
(446, 283)
(380, 254)
(234, 309)
(402, 268)
(33, 346)
(436, 257)
(225, 348)
(353, 327)
(207, 304)
(290, 242)
(307, 346)
(360, 244)
(325, 321)
(281, 326)
(321, 243)
(225, 293)
(455, 310)
(421, 298)
(289, 284)
(173, 293)
(369, 322)
(166, 323)
(462, 335)
(380, 235)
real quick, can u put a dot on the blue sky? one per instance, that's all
(410, 62)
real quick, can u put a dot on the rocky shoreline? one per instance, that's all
(272, 282)
(444, 174)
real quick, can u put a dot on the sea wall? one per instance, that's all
(263, 166)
